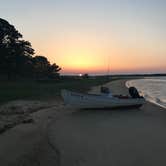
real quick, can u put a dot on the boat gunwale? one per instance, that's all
(76, 94)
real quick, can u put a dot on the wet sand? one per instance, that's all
(123, 137)
(58, 136)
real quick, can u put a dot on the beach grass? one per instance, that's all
(42, 90)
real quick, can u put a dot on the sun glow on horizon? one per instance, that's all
(80, 54)
(110, 36)
(101, 40)
(90, 58)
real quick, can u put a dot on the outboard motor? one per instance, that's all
(133, 92)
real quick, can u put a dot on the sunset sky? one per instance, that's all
(87, 36)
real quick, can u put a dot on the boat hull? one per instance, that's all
(92, 101)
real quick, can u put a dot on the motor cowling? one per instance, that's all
(134, 92)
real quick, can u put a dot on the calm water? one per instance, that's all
(153, 89)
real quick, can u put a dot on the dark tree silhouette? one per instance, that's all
(15, 54)
(53, 71)
(85, 76)
(43, 68)
(40, 65)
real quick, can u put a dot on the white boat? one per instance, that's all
(94, 101)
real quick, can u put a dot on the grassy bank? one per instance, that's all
(44, 90)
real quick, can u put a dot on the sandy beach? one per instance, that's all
(54, 135)
(24, 133)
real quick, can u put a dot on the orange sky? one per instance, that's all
(89, 54)
(88, 36)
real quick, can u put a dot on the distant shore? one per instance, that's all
(28, 143)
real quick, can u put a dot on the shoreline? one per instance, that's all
(155, 99)
(36, 148)
(116, 137)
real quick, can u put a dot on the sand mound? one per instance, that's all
(16, 112)
(21, 107)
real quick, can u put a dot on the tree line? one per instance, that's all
(17, 59)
